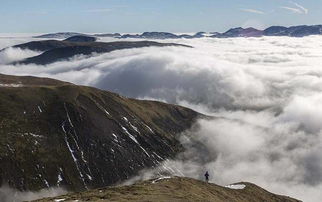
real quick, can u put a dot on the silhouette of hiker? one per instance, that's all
(207, 176)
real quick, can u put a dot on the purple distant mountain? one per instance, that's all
(241, 32)
(295, 31)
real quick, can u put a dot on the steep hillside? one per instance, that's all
(55, 133)
(177, 190)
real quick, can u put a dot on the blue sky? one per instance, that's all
(35, 16)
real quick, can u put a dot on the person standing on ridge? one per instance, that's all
(207, 176)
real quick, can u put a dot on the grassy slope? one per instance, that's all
(175, 190)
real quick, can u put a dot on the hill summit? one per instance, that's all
(176, 189)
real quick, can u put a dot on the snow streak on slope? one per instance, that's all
(265, 92)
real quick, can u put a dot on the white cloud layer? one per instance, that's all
(266, 93)
(10, 55)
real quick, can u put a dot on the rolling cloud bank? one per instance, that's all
(265, 94)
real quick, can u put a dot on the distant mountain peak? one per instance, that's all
(59, 35)
(292, 31)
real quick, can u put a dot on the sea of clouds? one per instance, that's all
(265, 94)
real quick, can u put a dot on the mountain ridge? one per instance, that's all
(59, 134)
(292, 31)
(55, 50)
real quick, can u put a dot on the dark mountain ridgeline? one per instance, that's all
(54, 50)
(60, 35)
(44, 45)
(81, 38)
(55, 133)
(63, 35)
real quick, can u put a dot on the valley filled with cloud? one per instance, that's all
(265, 94)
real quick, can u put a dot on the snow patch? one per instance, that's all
(71, 151)
(115, 137)
(14, 85)
(106, 112)
(46, 182)
(236, 186)
(59, 177)
(131, 136)
(135, 140)
(59, 200)
(102, 108)
(134, 128)
(77, 163)
(149, 128)
(89, 177)
(39, 109)
(160, 178)
(33, 135)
